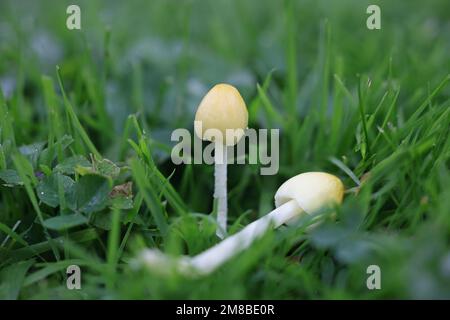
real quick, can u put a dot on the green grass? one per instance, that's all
(82, 113)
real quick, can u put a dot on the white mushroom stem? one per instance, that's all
(220, 188)
(214, 257)
(211, 259)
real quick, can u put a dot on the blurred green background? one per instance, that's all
(317, 66)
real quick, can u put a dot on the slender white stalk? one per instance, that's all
(214, 257)
(217, 255)
(220, 189)
(13, 229)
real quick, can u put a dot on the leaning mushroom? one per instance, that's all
(221, 118)
(305, 193)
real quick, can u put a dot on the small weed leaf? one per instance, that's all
(107, 168)
(47, 189)
(103, 167)
(121, 196)
(92, 193)
(10, 178)
(32, 152)
(121, 202)
(65, 222)
(68, 165)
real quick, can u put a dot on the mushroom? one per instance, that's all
(305, 193)
(221, 117)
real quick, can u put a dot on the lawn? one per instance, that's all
(87, 179)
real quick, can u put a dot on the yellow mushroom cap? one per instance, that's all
(311, 190)
(222, 108)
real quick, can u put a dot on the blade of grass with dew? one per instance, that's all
(113, 247)
(338, 109)
(346, 169)
(255, 104)
(365, 153)
(141, 177)
(137, 206)
(158, 178)
(426, 102)
(41, 247)
(273, 117)
(20, 163)
(74, 119)
(12, 234)
(12, 278)
(387, 117)
(55, 130)
(291, 58)
(6, 125)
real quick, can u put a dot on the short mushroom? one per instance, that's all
(221, 117)
(305, 193)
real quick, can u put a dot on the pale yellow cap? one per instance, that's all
(311, 190)
(222, 108)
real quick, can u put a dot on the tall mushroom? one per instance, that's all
(221, 117)
(305, 193)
